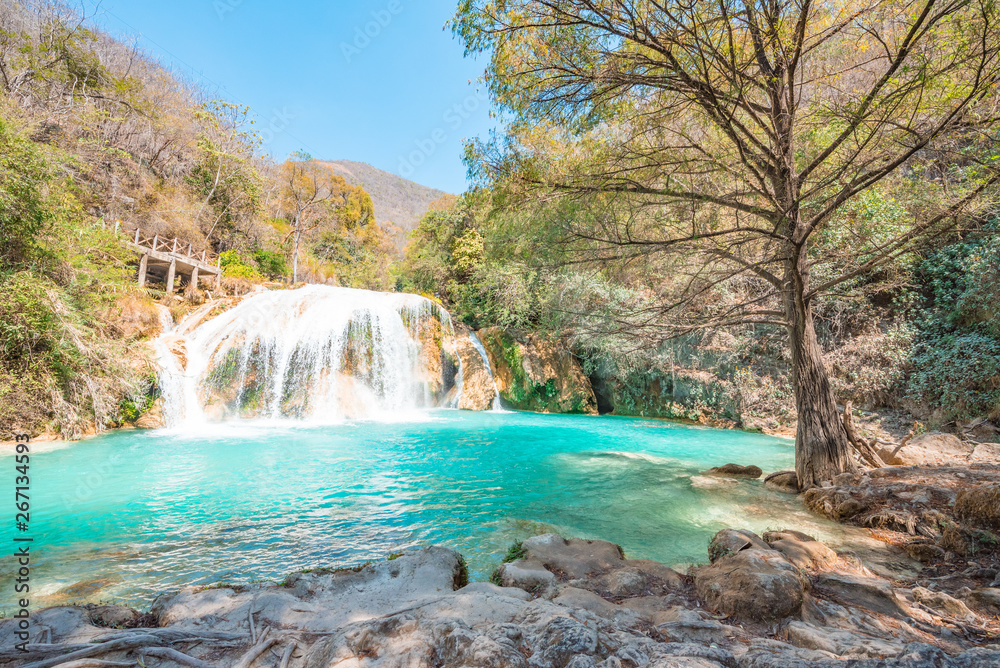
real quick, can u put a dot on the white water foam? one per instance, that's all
(321, 354)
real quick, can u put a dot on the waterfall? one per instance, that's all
(497, 404)
(318, 353)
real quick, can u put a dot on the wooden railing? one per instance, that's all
(154, 242)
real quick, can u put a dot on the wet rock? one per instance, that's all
(478, 390)
(736, 471)
(980, 506)
(855, 590)
(537, 374)
(752, 584)
(152, 418)
(731, 541)
(985, 600)
(801, 550)
(783, 481)
(843, 643)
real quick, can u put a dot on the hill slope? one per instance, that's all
(396, 199)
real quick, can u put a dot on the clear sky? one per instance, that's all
(376, 81)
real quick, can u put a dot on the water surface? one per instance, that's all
(127, 515)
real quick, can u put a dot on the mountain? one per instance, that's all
(396, 199)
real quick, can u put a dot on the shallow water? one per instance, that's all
(125, 516)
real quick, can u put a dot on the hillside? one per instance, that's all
(397, 200)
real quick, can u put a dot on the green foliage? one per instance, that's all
(271, 263)
(955, 364)
(515, 551)
(234, 266)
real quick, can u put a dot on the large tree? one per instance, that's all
(730, 134)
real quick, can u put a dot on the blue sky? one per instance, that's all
(376, 81)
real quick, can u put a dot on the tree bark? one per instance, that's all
(295, 253)
(821, 447)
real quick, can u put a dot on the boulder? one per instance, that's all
(736, 471)
(537, 374)
(986, 453)
(574, 558)
(114, 616)
(843, 643)
(527, 575)
(942, 603)
(872, 594)
(731, 541)
(934, 448)
(924, 552)
(985, 600)
(752, 584)
(152, 418)
(980, 506)
(801, 550)
(783, 481)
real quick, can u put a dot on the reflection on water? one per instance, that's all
(132, 513)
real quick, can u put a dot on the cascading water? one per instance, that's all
(318, 353)
(497, 404)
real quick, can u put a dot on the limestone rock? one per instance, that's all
(843, 643)
(536, 374)
(736, 471)
(152, 418)
(855, 590)
(980, 506)
(731, 541)
(527, 575)
(801, 550)
(934, 448)
(114, 616)
(574, 557)
(924, 552)
(752, 584)
(783, 481)
(478, 390)
(986, 453)
(942, 602)
(986, 600)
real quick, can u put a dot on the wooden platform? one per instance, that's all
(172, 259)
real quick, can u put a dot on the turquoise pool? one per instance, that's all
(127, 515)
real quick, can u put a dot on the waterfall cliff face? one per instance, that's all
(318, 353)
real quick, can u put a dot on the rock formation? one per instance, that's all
(536, 374)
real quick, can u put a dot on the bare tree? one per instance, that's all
(729, 134)
(310, 190)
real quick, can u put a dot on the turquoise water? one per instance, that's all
(127, 515)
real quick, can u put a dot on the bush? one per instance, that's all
(234, 266)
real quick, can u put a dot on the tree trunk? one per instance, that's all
(821, 447)
(295, 254)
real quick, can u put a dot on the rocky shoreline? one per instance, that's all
(782, 599)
